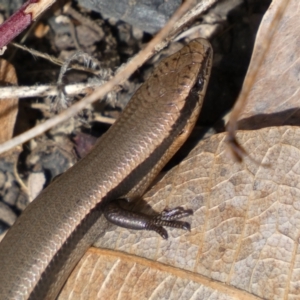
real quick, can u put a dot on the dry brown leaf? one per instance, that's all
(274, 98)
(245, 229)
(8, 107)
(133, 277)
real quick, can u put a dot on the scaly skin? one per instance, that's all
(46, 242)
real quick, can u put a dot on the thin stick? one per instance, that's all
(53, 59)
(45, 90)
(21, 19)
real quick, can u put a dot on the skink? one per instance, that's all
(54, 231)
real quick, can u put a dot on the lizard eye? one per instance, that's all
(200, 83)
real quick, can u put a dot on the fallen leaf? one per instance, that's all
(274, 98)
(245, 228)
(8, 107)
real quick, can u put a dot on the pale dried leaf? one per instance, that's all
(245, 228)
(132, 277)
(8, 107)
(274, 98)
